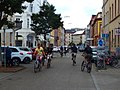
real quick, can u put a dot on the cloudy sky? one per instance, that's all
(77, 13)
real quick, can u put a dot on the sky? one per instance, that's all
(76, 13)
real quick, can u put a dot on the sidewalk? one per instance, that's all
(108, 79)
(7, 71)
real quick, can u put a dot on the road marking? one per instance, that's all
(94, 81)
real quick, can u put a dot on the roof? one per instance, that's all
(79, 32)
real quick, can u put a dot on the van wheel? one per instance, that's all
(26, 60)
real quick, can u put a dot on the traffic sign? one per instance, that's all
(100, 42)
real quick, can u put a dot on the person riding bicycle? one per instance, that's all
(49, 50)
(74, 52)
(74, 48)
(88, 53)
(39, 51)
(61, 50)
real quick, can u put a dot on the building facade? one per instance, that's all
(22, 35)
(94, 30)
(111, 23)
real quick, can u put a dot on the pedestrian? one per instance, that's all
(9, 61)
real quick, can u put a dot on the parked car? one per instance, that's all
(19, 55)
(27, 50)
(56, 49)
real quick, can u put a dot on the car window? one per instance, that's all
(14, 50)
(24, 49)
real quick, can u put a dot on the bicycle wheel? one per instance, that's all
(49, 63)
(36, 66)
(89, 67)
(114, 62)
(82, 66)
(39, 66)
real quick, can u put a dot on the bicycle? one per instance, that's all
(38, 64)
(74, 58)
(87, 64)
(61, 53)
(49, 56)
(101, 61)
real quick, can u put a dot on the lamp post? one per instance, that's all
(4, 28)
(18, 25)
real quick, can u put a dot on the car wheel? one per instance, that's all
(26, 60)
(16, 62)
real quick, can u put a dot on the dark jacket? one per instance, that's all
(74, 49)
(88, 50)
(8, 52)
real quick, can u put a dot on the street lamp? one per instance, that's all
(4, 28)
(18, 25)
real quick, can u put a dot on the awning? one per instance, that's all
(79, 32)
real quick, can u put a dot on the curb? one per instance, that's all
(11, 69)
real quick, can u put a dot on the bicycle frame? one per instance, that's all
(37, 63)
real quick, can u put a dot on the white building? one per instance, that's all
(24, 36)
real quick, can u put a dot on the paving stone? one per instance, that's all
(11, 69)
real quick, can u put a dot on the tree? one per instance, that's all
(9, 7)
(46, 20)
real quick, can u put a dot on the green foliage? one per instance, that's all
(9, 7)
(46, 19)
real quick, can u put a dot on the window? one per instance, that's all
(115, 8)
(112, 11)
(10, 36)
(118, 6)
(27, 23)
(115, 41)
(112, 38)
(118, 40)
(24, 49)
(17, 19)
(13, 49)
(31, 7)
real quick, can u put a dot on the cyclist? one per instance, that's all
(39, 51)
(74, 52)
(49, 49)
(61, 51)
(88, 53)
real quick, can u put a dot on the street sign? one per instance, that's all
(100, 42)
